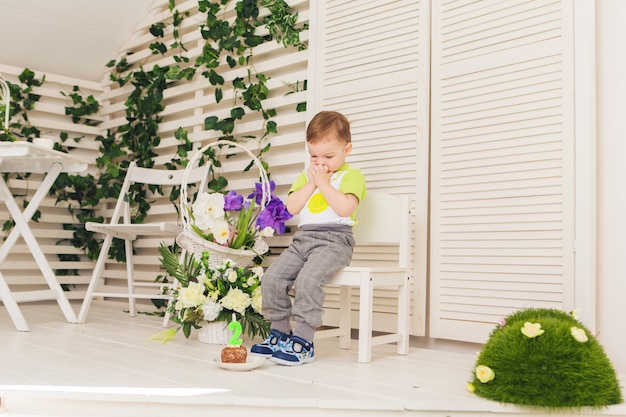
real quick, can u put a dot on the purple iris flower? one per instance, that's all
(233, 201)
(274, 215)
(258, 192)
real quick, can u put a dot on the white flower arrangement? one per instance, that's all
(233, 221)
(207, 294)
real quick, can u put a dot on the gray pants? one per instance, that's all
(307, 264)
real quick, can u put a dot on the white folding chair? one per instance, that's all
(384, 220)
(120, 227)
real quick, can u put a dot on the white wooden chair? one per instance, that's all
(120, 227)
(383, 221)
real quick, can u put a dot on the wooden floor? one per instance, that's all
(106, 367)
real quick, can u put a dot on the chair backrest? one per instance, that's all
(154, 176)
(384, 219)
(5, 95)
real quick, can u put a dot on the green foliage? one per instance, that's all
(182, 272)
(282, 24)
(82, 107)
(551, 370)
(22, 101)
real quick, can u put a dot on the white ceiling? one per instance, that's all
(74, 38)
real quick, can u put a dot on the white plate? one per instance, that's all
(252, 362)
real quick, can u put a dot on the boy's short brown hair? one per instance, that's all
(327, 123)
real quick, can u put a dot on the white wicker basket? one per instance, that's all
(215, 333)
(192, 243)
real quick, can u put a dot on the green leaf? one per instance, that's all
(218, 184)
(270, 127)
(187, 330)
(239, 83)
(157, 29)
(215, 78)
(237, 113)
(227, 125)
(210, 123)
(242, 226)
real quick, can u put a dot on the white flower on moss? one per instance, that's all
(575, 313)
(484, 373)
(579, 334)
(190, 296)
(532, 330)
(257, 300)
(236, 300)
(211, 309)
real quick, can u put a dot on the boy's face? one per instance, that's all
(329, 152)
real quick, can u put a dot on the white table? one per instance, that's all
(24, 157)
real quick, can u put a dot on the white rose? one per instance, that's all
(267, 232)
(236, 300)
(258, 271)
(257, 300)
(221, 231)
(207, 208)
(211, 309)
(231, 275)
(190, 296)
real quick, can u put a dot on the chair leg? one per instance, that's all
(345, 311)
(95, 278)
(128, 246)
(404, 296)
(365, 319)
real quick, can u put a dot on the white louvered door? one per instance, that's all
(369, 61)
(502, 162)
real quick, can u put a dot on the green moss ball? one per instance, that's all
(548, 367)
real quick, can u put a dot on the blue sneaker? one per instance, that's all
(274, 342)
(296, 351)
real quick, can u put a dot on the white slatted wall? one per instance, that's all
(19, 269)
(366, 65)
(502, 162)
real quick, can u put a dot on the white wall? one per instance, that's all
(611, 204)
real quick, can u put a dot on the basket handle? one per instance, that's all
(266, 193)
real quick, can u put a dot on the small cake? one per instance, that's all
(234, 354)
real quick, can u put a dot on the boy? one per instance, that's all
(326, 197)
